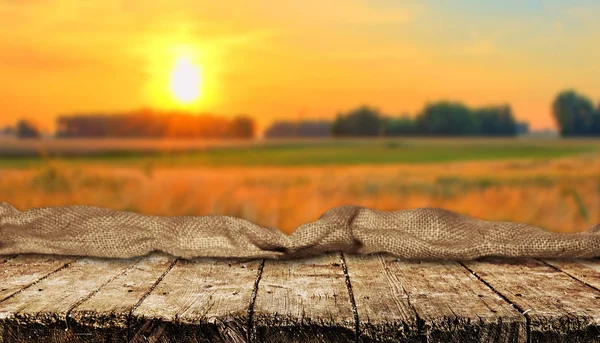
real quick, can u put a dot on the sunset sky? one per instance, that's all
(294, 59)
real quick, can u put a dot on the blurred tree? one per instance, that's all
(574, 114)
(446, 119)
(399, 126)
(242, 127)
(27, 129)
(303, 128)
(495, 121)
(8, 130)
(281, 129)
(596, 122)
(361, 122)
(314, 128)
(152, 124)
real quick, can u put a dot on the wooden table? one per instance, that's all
(337, 298)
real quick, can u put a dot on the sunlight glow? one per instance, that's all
(180, 76)
(186, 81)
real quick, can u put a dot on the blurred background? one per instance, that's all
(276, 111)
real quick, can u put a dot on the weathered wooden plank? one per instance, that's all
(204, 300)
(51, 299)
(304, 301)
(40, 312)
(104, 317)
(450, 303)
(587, 271)
(21, 271)
(384, 310)
(558, 307)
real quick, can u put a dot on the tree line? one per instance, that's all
(23, 129)
(303, 128)
(574, 113)
(154, 124)
(436, 119)
(442, 118)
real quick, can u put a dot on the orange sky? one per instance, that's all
(291, 59)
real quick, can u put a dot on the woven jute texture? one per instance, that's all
(425, 233)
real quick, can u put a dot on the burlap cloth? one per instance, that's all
(426, 233)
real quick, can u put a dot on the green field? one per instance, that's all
(551, 183)
(305, 153)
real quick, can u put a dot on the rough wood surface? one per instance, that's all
(20, 272)
(443, 298)
(42, 309)
(383, 307)
(105, 315)
(587, 271)
(558, 307)
(304, 301)
(204, 300)
(4, 258)
(332, 298)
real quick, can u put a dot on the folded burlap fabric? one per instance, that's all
(425, 233)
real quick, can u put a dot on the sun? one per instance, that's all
(182, 77)
(186, 81)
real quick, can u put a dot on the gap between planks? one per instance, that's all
(4, 259)
(256, 289)
(488, 285)
(574, 277)
(351, 297)
(65, 265)
(91, 294)
(250, 327)
(160, 278)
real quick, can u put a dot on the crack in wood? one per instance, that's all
(411, 284)
(351, 296)
(569, 274)
(388, 276)
(253, 301)
(40, 279)
(487, 284)
(160, 278)
(4, 259)
(90, 295)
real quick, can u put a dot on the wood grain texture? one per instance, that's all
(104, 317)
(40, 312)
(587, 271)
(204, 300)
(160, 299)
(21, 271)
(384, 310)
(558, 307)
(304, 301)
(432, 301)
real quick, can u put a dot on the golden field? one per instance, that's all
(559, 194)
